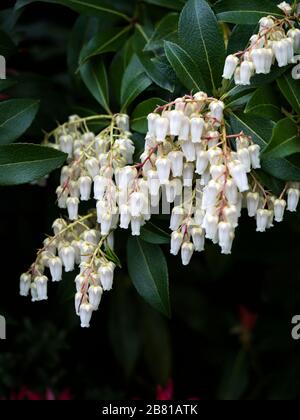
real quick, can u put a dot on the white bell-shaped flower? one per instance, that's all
(187, 251)
(184, 133)
(231, 64)
(238, 173)
(175, 118)
(92, 166)
(41, 287)
(67, 254)
(262, 220)
(161, 129)
(152, 123)
(279, 209)
(197, 127)
(85, 186)
(176, 159)
(252, 203)
(72, 206)
(163, 166)
(293, 199)
(95, 295)
(198, 237)
(177, 217)
(202, 162)
(85, 312)
(55, 266)
(176, 242)
(189, 150)
(188, 174)
(25, 282)
(254, 151)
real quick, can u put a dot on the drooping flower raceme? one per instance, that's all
(85, 241)
(278, 40)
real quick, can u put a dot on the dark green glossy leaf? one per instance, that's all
(149, 272)
(239, 38)
(166, 30)
(22, 163)
(7, 46)
(94, 76)
(290, 89)
(265, 103)
(245, 12)
(16, 116)
(285, 140)
(201, 38)
(169, 4)
(154, 235)
(105, 41)
(185, 67)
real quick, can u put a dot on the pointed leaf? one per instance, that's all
(185, 67)
(264, 103)
(16, 116)
(94, 76)
(154, 235)
(201, 38)
(285, 140)
(22, 163)
(166, 30)
(149, 272)
(290, 88)
(245, 12)
(170, 4)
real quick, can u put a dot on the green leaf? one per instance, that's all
(185, 67)
(94, 76)
(245, 12)
(166, 30)
(88, 7)
(112, 256)
(290, 89)
(104, 41)
(285, 140)
(22, 163)
(154, 235)
(261, 130)
(156, 67)
(139, 116)
(264, 103)
(239, 38)
(201, 38)
(7, 46)
(149, 272)
(16, 116)
(169, 4)
(134, 82)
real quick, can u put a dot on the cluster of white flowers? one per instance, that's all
(278, 40)
(189, 160)
(86, 241)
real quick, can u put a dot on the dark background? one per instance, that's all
(230, 332)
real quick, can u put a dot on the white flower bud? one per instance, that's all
(136, 224)
(285, 7)
(197, 127)
(215, 156)
(238, 173)
(136, 204)
(163, 166)
(188, 174)
(266, 23)
(62, 195)
(176, 159)
(246, 72)
(58, 226)
(213, 138)
(281, 50)
(64, 175)
(88, 138)
(153, 183)
(231, 64)
(175, 118)
(294, 33)
(218, 173)
(74, 189)
(202, 162)
(85, 186)
(189, 150)
(122, 121)
(198, 239)
(33, 292)
(66, 144)
(199, 216)
(254, 151)
(72, 206)
(293, 199)
(25, 282)
(92, 166)
(242, 142)
(78, 301)
(245, 158)
(80, 281)
(187, 251)
(210, 194)
(176, 218)
(41, 287)
(252, 203)
(210, 224)
(95, 295)
(125, 216)
(217, 110)
(67, 254)
(85, 312)
(231, 215)
(161, 129)
(106, 223)
(152, 124)
(176, 242)
(262, 58)
(55, 266)
(106, 272)
(279, 209)
(184, 133)
(126, 176)
(262, 220)
(231, 192)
